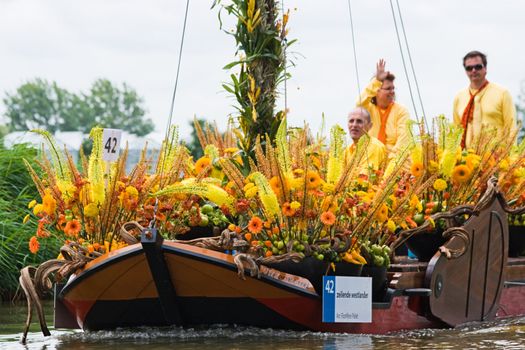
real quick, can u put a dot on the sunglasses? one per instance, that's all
(476, 67)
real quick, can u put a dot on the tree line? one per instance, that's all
(45, 105)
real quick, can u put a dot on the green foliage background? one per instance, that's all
(44, 105)
(16, 191)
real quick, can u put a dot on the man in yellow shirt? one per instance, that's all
(483, 105)
(389, 118)
(374, 156)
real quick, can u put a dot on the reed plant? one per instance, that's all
(16, 190)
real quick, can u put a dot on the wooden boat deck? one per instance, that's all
(408, 273)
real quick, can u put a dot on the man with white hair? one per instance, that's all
(359, 123)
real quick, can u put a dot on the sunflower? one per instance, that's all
(287, 209)
(34, 245)
(461, 174)
(201, 164)
(255, 225)
(313, 180)
(417, 169)
(72, 228)
(440, 185)
(328, 218)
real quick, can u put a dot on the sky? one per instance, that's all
(75, 42)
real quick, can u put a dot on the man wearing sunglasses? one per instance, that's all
(483, 106)
(389, 118)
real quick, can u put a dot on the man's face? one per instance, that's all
(386, 94)
(358, 124)
(475, 69)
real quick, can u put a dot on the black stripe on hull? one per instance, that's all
(195, 311)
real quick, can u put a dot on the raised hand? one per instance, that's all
(380, 70)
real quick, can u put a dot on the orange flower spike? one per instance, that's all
(275, 230)
(268, 243)
(268, 253)
(90, 248)
(238, 229)
(248, 236)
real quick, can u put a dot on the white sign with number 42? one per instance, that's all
(111, 144)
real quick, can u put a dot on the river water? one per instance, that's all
(507, 334)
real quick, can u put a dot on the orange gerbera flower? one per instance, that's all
(287, 209)
(255, 225)
(417, 169)
(313, 180)
(328, 218)
(201, 164)
(461, 174)
(34, 246)
(72, 228)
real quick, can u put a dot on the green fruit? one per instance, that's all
(206, 209)
(300, 248)
(376, 250)
(320, 257)
(419, 218)
(386, 250)
(280, 244)
(204, 220)
(379, 260)
(275, 251)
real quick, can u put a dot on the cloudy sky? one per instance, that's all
(75, 42)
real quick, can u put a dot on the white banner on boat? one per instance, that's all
(347, 299)
(111, 144)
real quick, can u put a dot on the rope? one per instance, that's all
(355, 52)
(176, 81)
(285, 44)
(411, 63)
(403, 59)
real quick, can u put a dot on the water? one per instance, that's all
(507, 334)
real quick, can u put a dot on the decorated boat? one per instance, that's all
(303, 231)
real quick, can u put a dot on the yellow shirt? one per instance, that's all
(493, 108)
(397, 136)
(374, 157)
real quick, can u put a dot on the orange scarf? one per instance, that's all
(381, 136)
(468, 113)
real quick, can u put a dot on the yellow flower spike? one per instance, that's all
(267, 196)
(31, 204)
(328, 187)
(431, 221)
(336, 154)
(433, 167)
(26, 219)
